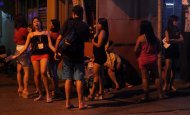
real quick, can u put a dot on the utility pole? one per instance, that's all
(97, 13)
(159, 34)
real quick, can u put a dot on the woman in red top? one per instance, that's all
(147, 59)
(23, 61)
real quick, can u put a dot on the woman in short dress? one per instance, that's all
(100, 57)
(148, 58)
(40, 43)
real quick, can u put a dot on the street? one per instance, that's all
(121, 102)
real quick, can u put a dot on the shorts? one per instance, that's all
(24, 59)
(39, 57)
(100, 60)
(73, 71)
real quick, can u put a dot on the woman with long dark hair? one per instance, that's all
(40, 43)
(100, 57)
(53, 64)
(147, 59)
(173, 37)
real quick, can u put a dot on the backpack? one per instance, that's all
(68, 43)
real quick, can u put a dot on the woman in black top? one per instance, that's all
(100, 56)
(173, 37)
(40, 43)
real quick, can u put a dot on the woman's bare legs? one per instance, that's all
(43, 72)
(113, 78)
(158, 82)
(100, 92)
(167, 74)
(145, 82)
(96, 69)
(25, 81)
(36, 68)
(19, 79)
(173, 75)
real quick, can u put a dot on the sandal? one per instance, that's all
(25, 95)
(70, 106)
(144, 100)
(84, 106)
(162, 96)
(99, 97)
(49, 100)
(20, 91)
(89, 98)
(38, 98)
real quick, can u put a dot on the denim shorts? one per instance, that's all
(73, 71)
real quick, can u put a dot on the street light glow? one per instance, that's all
(169, 4)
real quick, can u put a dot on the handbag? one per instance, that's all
(67, 44)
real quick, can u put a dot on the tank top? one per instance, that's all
(39, 45)
(100, 51)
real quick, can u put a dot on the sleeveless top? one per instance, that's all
(53, 36)
(148, 54)
(173, 51)
(39, 45)
(99, 52)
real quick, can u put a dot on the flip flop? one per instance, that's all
(38, 98)
(70, 106)
(85, 107)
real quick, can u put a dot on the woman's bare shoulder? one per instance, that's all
(141, 38)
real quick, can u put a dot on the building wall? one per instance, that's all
(7, 25)
(8, 6)
(124, 18)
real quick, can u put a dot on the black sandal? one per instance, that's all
(89, 98)
(70, 106)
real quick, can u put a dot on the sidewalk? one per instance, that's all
(122, 102)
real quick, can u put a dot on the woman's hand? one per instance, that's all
(11, 57)
(167, 41)
(55, 56)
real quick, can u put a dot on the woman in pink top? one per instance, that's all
(148, 44)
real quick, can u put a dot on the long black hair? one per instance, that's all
(56, 25)
(39, 21)
(171, 19)
(19, 21)
(78, 10)
(147, 29)
(171, 28)
(104, 23)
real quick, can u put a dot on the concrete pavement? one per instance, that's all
(123, 102)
